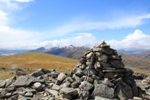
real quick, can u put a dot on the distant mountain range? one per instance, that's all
(6, 52)
(133, 59)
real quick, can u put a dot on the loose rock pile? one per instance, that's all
(99, 75)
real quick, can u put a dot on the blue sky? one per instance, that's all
(29, 24)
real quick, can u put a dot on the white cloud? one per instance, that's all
(17, 39)
(124, 22)
(24, 0)
(3, 18)
(82, 39)
(135, 41)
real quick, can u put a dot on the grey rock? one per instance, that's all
(69, 93)
(137, 98)
(37, 86)
(7, 82)
(103, 58)
(69, 79)
(124, 91)
(52, 92)
(23, 81)
(28, 94)
(116, 63)
(66, 84)
(75, 84)
(55, 87)
(78, 72)
(20, 72)
(85, 86)
(104, 91)
(88, 56)
(101, 98)
(76, 78)
(88, 79)
(97, 66)
(37, 73)
(20, 97)
(60, 78)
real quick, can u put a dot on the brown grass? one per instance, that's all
(35, 61)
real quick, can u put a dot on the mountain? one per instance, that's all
(68, 51)
(41, 49)
(143, 55)
(11, 52)
(77, 52)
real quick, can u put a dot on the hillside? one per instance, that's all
(139, 65)
(143, 55)
(33, 61)
(70, 52)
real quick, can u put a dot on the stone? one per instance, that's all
(37, 73)
(7, 82)
(55, 87)
(23, 81)
(102, 42)
(97, 66)
(146, 81)
(69, 93)
(37, 86)
(52, 92)
(116, 63)
(28, 94)
(78, 72)
(104, 91)
(103, 58)
(75, 84)
(69, 79)
(66, 84)
(88, 79)
(137, 98)
(88, 56)
(61, 77)
(20, 72)
(20, 97)
(124, 91)
(101, 98)
(85, 86)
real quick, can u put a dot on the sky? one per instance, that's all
(30, 24)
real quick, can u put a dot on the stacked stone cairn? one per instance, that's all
(99, 75)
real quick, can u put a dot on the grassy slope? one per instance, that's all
(35, 60)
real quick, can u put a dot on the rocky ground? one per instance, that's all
(99, 75)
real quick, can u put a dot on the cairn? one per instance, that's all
(101, 72)
(99, 75)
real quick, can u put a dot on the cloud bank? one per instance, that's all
(135, 41)
(11, 38)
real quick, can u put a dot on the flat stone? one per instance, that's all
(40, 72)
(22, 81)
(55, 87)
(101, 98)
(104, 91)
(7, 82)
(86, 86)
(28, 94)
(137, 98)
(52, 92)
(69, 92)
(89, 55)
